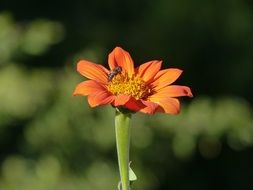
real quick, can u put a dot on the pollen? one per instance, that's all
(133, 86)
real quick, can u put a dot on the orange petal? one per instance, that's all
(148, 70)
(173, 91)
(100, 98)
(87, 87)
(167, 105)
(165, 77)
(121, 100)
(134, 105)
(120, 57)
(150, 107)
(93, 71)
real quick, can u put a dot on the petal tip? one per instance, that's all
(75, 93)
(188, 92)
(80, 63)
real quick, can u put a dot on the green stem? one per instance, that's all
(122, 128)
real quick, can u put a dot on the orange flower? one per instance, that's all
(146, 88)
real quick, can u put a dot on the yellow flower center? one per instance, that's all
(133, 86)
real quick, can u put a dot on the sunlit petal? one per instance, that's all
(134, 105)
(148, 70)
(173, 91)
(121, 100)
(165, 77)
(93, 71)
(88, 87)
(120, 57)
(167, 105)
(150, 107)
(100, 98)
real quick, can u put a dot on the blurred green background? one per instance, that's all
(50, 140)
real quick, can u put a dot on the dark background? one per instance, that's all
(50, 140)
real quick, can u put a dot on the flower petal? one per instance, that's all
(134, 105)
(148, 70)
(167, 105)
(93, 71)
(173, 91)
(120, 57)
(100, 98)
(150, 107)
(87, 87)
(121, 100)
(165, 77)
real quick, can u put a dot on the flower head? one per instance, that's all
(146, 88)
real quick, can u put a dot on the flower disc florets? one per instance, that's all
(133, 86)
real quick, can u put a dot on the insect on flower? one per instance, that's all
(114, 72)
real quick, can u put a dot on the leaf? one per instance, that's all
(119, 185)
(132, 176)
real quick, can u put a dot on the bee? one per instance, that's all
(114, 72)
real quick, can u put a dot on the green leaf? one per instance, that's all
(119, 186)
(132, 176)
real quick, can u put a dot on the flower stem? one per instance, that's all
(122, 128)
